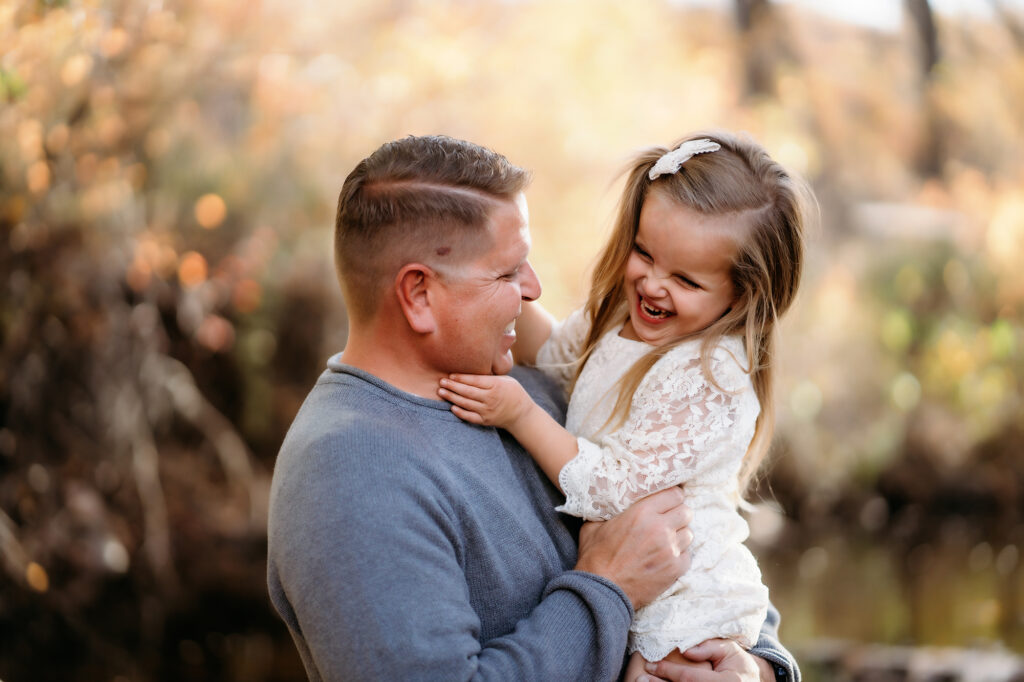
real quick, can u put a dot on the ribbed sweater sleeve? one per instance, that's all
(404, 544)
(769, 648)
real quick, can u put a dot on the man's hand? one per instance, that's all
(638, 667)
(482, 399)
(729, 663)
(644, 549)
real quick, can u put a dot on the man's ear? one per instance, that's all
(414, 285)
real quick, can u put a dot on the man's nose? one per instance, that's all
(529, 283)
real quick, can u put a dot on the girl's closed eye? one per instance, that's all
(641, 252)
(687, 282)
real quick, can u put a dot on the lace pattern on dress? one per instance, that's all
(681, 429)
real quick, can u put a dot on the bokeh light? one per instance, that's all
(168, 175)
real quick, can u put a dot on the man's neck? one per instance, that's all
(377, 354)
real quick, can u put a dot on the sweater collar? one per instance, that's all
(336, 367)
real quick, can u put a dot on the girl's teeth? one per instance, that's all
(653, 312)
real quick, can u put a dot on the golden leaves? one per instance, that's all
(38, 178)
(114, 42)
(30, 139)
(192, 270)
(36, 577)
(57, 138)
(210, 211)
(76, 69)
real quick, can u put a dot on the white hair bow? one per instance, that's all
(670, 162)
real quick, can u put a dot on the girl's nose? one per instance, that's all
(652, 285)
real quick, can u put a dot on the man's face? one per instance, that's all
(477, 308)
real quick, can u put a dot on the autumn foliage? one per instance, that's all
(167, 177)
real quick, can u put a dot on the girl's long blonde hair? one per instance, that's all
(739, 179)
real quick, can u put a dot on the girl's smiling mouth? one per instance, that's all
(655, 313)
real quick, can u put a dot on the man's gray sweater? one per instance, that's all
(407, 544)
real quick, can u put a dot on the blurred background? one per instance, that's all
(168, 172)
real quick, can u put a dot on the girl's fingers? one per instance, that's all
(690, 672)
(463, 389)
(713, 650)
(466, 415)
(475, 380)
(459, 399)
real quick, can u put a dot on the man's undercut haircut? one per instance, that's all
(417, 200)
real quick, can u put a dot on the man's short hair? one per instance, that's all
(417, 199)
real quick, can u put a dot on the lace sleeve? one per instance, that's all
(558, 355)
(681, 428)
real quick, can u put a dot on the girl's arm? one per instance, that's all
(557, 356)
(501, 401)
(532, 329)
(680, 428)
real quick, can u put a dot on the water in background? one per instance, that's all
(952, 597)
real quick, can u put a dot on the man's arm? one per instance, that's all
(378, 588)
(379, 591)
(641, 547)
(768, 648)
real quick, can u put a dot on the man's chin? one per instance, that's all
(503, 365)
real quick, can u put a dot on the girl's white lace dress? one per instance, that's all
(680, 429)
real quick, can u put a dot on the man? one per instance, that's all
(407, 544)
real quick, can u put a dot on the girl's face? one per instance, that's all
(678, 276)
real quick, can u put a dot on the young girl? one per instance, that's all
(669, 365)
